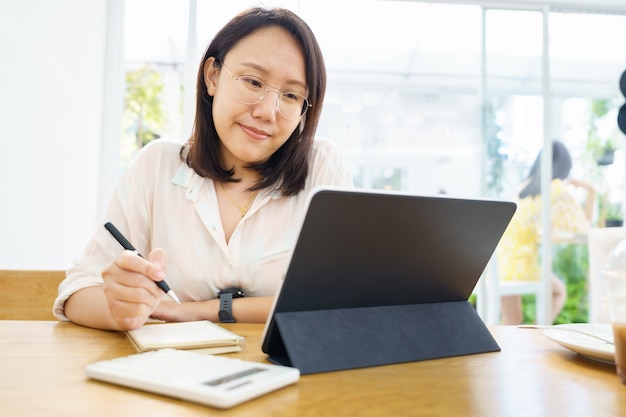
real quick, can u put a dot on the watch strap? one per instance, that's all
(226, 308)
(226, 296)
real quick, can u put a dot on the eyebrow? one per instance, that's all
(263, 70)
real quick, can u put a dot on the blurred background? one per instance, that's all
(453, 97)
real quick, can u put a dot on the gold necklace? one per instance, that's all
(243, 210)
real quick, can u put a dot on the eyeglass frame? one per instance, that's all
(266, 89)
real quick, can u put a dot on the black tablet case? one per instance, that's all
(379, 278)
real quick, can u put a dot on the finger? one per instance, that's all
(133, 262)
(122, 281)
(124, 286)
(131, 295)
(158, 257)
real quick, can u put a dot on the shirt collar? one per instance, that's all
(186, 177)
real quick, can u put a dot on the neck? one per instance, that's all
(247, 178)
(238, 197)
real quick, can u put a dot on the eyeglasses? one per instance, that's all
(251, 90)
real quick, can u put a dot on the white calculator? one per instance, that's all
(198, 377)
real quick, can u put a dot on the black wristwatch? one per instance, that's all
(226, 303)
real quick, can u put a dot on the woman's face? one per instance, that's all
(251, 133)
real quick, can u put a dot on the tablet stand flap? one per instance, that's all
(330, 340)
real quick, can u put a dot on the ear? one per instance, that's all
(210, 75)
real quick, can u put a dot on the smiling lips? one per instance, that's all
(254, 133)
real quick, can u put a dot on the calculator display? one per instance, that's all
(232, 377)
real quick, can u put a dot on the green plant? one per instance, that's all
(143, 104)
(599, 145)
(613, 211)
(570, 263)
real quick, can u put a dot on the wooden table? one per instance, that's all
(42, 374)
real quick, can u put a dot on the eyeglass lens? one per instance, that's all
(251, 90)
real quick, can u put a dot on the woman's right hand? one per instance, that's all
(130, 289)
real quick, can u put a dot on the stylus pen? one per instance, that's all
(127, 245)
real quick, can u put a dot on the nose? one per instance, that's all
(267, 107)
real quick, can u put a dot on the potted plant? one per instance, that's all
(614, 215)
(606, 153)
(601, 150)
(600, 145)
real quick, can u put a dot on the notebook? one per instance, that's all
(204, 336)
(365, 262)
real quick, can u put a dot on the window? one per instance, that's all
(425, 97)
(404, 92)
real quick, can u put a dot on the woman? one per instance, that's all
(518, 251)
(223, 212)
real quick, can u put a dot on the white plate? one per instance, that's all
(582, 344)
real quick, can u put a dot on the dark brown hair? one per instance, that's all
(288, 167)
(561, 167)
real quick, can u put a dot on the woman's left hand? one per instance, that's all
(186, 311)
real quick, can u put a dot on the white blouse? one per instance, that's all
(161, 202)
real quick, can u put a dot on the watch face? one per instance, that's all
(225, 316)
